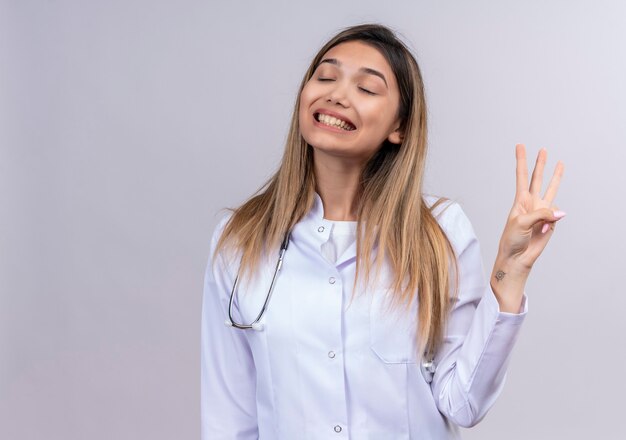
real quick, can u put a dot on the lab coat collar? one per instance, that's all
(313, 224)
(315, 227)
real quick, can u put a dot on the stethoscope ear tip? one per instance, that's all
(228, 323)
(428, 370)
(257, 326)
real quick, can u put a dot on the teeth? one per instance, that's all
(334, 122)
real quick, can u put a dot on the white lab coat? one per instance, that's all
(327, 368)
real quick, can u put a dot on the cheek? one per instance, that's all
(304, 118)
(305, 102)
(302, 115)
(375, 114)
(306, 96)
(383, 115)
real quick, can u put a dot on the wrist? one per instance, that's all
(511, 266)
(508, 281)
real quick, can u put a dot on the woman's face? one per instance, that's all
(349, 106)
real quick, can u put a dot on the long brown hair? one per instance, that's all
(392, 213)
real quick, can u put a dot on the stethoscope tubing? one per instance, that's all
(256, 325)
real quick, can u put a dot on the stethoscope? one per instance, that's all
(256, 325)
(427, 366)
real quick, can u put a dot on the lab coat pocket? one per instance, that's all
(392, 330)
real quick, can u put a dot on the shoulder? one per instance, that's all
(224, 254)
(222, 220)
(453, 221)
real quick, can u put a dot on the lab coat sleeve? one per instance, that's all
(472, 362)
(228, 387)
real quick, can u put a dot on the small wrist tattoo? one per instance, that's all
(500, 275)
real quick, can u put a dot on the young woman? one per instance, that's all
(356, 306)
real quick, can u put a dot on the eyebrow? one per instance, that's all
(367, 70)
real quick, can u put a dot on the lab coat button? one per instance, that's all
(320, 229)
(331, 354)
(337, 428)
(332, 280)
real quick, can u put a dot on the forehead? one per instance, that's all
(356, 54)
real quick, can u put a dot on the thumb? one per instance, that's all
(527, 221)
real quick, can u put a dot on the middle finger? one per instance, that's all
(537, 177)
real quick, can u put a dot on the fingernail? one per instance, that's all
(546, 226)
(559, 214)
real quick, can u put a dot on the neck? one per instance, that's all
(337, 183)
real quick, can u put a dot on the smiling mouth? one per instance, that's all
(331, 121)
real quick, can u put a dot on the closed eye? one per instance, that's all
(366, 91)
(325, 79)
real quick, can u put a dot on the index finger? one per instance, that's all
(522, 169)
(553, 186)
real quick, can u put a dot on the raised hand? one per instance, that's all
(532, 218)
(529, 226)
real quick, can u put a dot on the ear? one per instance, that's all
(396, 136)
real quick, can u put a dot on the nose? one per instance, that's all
(338, 95)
